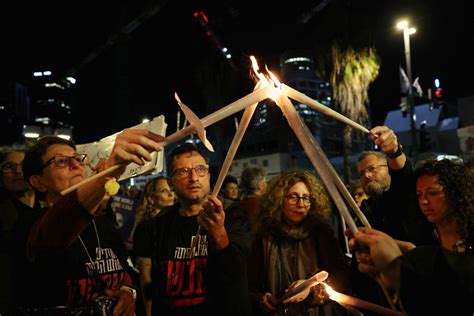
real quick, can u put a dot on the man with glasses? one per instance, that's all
(77, 255)
(387, 178)
(194, 274)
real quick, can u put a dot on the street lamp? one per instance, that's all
(407, 31)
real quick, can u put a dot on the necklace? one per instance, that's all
(84, 246)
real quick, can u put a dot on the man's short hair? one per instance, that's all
(33, 163)
(182, 149)
(367, 153)
(250, 178)
(5, 150)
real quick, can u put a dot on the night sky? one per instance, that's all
(140, 74)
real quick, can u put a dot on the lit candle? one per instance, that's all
(224, 112)
(350, 300)
(239, 134)
(303, 98)
(315, 155)
(288, 297)
(234, 107)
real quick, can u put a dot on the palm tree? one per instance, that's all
(352, 73)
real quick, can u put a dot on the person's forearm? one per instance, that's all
(90, 195)
(220, 240)
(390, 276)
(397, 163)
(59, 226)
(144, 266)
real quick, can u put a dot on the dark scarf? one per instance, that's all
(290, 255)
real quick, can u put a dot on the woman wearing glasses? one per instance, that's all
(17, 199)
(292, 242)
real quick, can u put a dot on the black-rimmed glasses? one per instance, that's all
(181, 173)
(294, 199)
(61, 161)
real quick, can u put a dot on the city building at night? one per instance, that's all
(36, 108)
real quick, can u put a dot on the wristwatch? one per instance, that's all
(129, 289)
(397, 153)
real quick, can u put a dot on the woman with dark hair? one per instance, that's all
(292, 242)
(429, 279)
(358, 193)
(445, 195)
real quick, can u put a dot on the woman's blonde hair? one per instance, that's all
(146, 209)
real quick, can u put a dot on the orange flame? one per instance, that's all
(264, 80)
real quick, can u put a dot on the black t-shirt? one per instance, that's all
(187, 281)
(70, 277)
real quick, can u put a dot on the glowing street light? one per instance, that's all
(407, 31)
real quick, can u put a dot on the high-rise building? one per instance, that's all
(50, 100)
(15, 111)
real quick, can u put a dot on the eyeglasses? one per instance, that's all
(10, 166)
(372, 169)
(61, 161)
(294, 199)
(181, 173)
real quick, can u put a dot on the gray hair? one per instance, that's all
(367, 153)
(5, 150)
(249, 179)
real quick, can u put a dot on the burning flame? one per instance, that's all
(264, 80)
(332, 294)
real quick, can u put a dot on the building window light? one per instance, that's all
(53, 85)
(64, 136)
(71, 80)
(32, 135)
(296, 59)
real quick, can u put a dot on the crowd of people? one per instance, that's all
(237, 253)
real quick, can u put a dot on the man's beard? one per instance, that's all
(375, 189)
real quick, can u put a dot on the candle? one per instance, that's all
(224, 112)
(239, 134)
(350, 300)
(303, 98)
(196, 123)
(92, 178)
(244, 122)
(315, 155)
(305, 285)
(251, 98)
(327, 167)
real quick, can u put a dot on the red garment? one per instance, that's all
(249, 204)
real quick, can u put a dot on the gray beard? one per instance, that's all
(374, 189)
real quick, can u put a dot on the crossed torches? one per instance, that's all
(268, 87)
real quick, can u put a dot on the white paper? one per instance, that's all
(102, 149)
